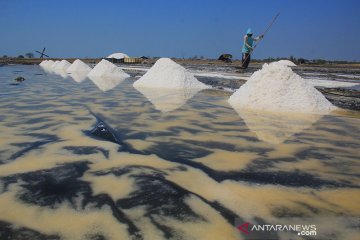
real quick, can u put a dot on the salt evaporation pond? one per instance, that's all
(80, 163)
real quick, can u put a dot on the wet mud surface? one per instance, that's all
(80, 163)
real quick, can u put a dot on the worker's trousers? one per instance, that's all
(245, 60)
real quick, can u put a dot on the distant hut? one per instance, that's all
(122, 58)
(225, 58)
(117, 57)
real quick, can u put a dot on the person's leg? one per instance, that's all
(243, 58)
(247, 60)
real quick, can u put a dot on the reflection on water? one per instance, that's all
(275, 128)
(61, 73)
(185, 174)
(167, 100)
(79, 76)
(106, 83)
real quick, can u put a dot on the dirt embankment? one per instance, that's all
(33, 61)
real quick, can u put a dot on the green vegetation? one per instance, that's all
(29, 55)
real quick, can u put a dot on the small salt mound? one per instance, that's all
(286, 63)
(168, 74)
(78, 66)
(43, 63)
(49, 64)
(62, 65)
(277, 88)
(55, 64)
(107, 69)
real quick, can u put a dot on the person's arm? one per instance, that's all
(258, 38)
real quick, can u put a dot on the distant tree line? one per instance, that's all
(28, 55)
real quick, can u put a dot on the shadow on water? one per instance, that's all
(185, 154)
(56, 186)
(8, 231)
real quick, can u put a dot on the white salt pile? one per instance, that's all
(43, 63)
(78, 66)
(46, 64)
(49, 64)
(54, 65)
(168, 74)
(277, 88)
(106, 75)
(61, 66)
(286, 63)
(107, 69)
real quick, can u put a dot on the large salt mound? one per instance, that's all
(277, 88)
(168, 74)
(78, 66)
(107, 69)
(61, 66)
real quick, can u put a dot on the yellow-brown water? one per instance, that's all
(185, 168)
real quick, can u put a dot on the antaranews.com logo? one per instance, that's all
(265, 229)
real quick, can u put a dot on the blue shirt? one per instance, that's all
(249, 41)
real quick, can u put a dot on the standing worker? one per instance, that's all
(248, 47)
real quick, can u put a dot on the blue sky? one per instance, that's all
(326, 29)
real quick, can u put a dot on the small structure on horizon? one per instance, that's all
(117, 56)
(42, 53)
(225, 58)
(123, 58)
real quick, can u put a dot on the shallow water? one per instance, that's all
(80, 163)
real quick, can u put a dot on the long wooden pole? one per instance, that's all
(267, 29)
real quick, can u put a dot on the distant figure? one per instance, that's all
(248, 48)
